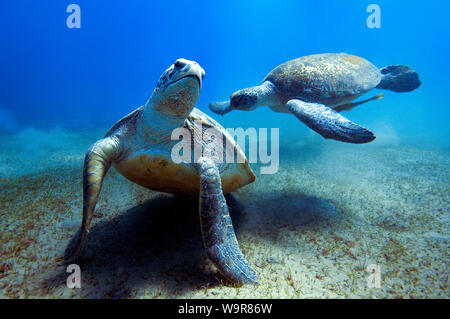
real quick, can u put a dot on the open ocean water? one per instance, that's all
(332, 210)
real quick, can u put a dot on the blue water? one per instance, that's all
(90, 77)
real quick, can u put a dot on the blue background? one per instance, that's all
(55, 76)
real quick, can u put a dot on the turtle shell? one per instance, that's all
(149, 162)
(330, 78)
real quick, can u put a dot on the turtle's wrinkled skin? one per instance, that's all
(316, 88)
(139, 147)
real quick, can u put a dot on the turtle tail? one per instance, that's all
(399, 78)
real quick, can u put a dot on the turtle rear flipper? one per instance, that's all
(399, 78)
(217, 229)
(96, 163)
(350, 106)
(329, 123)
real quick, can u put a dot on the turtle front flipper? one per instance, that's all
(96, 163)
(329, 123)
(217, 229)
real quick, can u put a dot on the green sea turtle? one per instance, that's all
(139, 146)
(316, 87)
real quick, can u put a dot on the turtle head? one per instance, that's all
(244, 100)
(178, 88)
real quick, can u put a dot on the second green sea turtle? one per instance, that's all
(316, 88)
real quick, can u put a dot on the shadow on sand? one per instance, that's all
(155, 246)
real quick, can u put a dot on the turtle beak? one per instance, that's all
(197, 71)
(221, 108)
(185, 68)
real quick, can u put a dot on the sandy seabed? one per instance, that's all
(309, 231)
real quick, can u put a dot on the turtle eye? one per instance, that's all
(179, 64)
